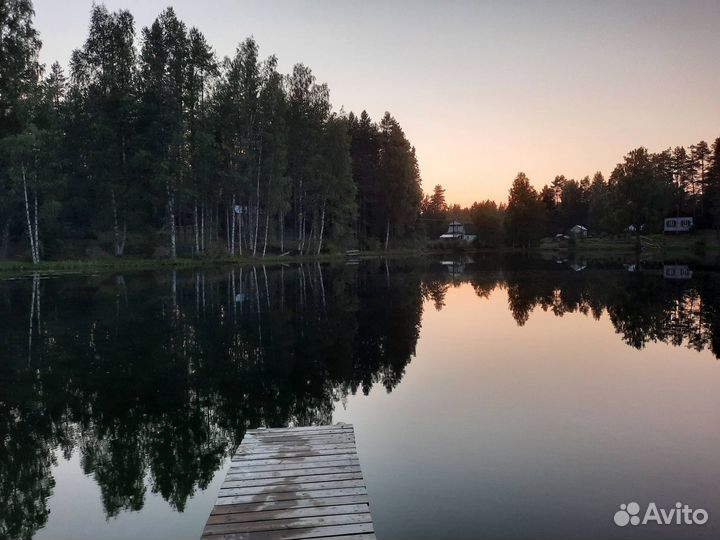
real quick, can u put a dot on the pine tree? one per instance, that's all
(365, 154)
(640, 194)
(400, 193)
(524, 216)
(711, 195)
(338, 199)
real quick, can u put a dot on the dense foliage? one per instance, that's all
(642, 190)
(172, 151)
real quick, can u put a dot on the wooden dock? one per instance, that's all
(293, 483)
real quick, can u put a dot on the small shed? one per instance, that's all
(678, 224)
(578, 231)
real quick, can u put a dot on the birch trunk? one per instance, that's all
(227, 229)
(257, 201)
(31, 235)
(310, 237)
(322, 228)
(232, 228)
(202, 227)
(282, 233)
(35, 219)
(239, 220)
(387, 235)
(116, 225)
(196, 227)
(267, 217)
(171, 221)
(123, 239)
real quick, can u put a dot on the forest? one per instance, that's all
(641, 191)
(151, 145)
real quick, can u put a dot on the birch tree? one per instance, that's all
(103, 77)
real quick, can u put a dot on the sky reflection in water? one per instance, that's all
(531, 404)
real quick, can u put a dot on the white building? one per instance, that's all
(458, 231)
(678, 224)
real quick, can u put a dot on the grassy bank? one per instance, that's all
(701, 244)
(127, 263)
(698, 243)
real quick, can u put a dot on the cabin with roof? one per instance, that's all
(459, 231)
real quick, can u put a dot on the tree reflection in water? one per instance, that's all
(154, 377)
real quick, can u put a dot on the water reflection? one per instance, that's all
(159, 375)
(154, 377)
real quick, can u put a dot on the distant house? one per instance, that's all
(678, 224)
(578, 231)
(459, 231)
(677, 271)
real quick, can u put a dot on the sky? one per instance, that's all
(483, 90)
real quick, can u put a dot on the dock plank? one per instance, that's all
(284, 480)
(282, 505)
(289, 523)
(293, 484)
(352, 462)
(231, 491)
(267, 515)
(307, 471)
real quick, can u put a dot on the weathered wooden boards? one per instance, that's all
(293, 483)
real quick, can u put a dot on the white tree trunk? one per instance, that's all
(267, 217)
(227, 229)
(282, 232)
(31, 234)
(116, 226)
(257, 201)
(387, 234)
(232, 228)
(123, 239)
(239, 217)
(37, 239)
(322, 228)
(171, 221)
(202, 227)
(196, 227)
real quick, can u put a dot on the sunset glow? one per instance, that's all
(483, 90)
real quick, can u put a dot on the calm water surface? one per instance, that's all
(491, 398)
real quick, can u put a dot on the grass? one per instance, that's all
(111, 264)
(695, 244)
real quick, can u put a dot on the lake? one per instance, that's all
(491, 397)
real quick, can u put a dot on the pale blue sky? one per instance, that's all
(482, 89)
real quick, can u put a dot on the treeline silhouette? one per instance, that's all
(250, 347)
(641, 191)
(642, 306)
(230, 351)
(167, 150)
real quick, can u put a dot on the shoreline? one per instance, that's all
(686, 247)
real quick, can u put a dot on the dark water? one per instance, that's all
(491, 398)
